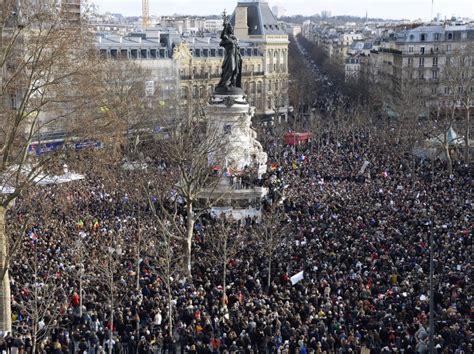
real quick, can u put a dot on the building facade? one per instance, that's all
(198, 59)
(72, 9)
(255, 23)
(423, 56)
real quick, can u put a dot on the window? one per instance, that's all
(227, 129)
(446, 90)
(259, 87)
(435, 61)
(410, 49)
(437, 36)
(422, 61)
(448, 60)
(422, 50)
(448, 48)
(434, 74)
(422, 37)
(421, 74)
(433, 90)
(450, 36)
(460, 89)
(410, 61)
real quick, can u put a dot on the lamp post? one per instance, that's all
(431, 318)
(79, 250)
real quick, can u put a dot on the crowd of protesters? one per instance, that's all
(361, 238)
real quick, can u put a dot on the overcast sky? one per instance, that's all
(394, 9)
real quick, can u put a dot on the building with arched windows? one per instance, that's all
(263, 47)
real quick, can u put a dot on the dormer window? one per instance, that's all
(450, 36)
(412, 37)
(423, 37)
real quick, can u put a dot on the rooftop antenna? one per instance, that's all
(145, 13)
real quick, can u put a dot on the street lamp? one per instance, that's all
(429, 223)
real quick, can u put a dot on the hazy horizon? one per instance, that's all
(388, 9)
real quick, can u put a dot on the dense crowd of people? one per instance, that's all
(348, 214)
(361, 239)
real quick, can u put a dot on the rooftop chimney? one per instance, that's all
(241, 28)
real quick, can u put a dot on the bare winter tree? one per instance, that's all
(190, 146)
(107, 263)
(121, 105)
(42, 292)
(459, 79)
(223, 241)
(405, 105)
(270, 236)
(42, 57)
(165, 243)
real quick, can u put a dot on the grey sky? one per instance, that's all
(409, 9)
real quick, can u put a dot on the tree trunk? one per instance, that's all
(189, 238)
(170, 312)
(5, 297)
(447, 152)
(33, 339)
(466, 136)
(269, 280)
(137, 283)
(111, 330)
(224, 283)
(80, 295)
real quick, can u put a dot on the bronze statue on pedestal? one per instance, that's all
(231, 76)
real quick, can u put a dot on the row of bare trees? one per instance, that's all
(52, 80)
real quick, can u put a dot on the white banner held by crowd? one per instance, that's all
(297, 277)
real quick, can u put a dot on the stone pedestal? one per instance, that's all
(240, 157)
